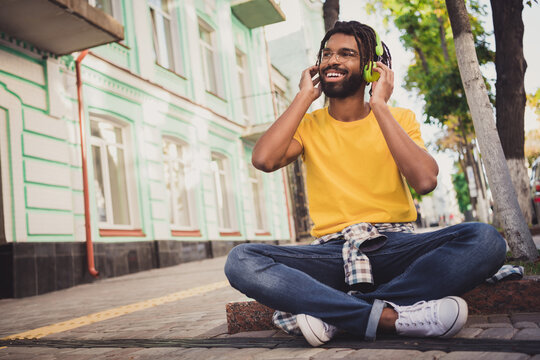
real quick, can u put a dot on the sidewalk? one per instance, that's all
(179, 313)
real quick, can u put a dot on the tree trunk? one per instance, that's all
(514, 226)
(510, 98)
(330, 13)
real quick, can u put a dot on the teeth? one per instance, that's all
(333, 74)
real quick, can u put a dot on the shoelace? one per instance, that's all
(420, 314)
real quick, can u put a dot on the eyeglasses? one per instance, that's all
(341, 56)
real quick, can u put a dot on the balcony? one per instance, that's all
(257, 13)
(59, 27)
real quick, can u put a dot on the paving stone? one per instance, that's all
(477, 355)
(121, 353)
(468, 333)
(528, 334)
(332, 354)
(246, 354)
(19, 353)
(378, 354)
(192, 354)
(525, 325)
(493, 325)
(218, 353)
(218, 330)
(476, 319)
(434, 355)
(497, 333)
(289, 353)
(534, 317)
(499, 319)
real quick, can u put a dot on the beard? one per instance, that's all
(342, 89)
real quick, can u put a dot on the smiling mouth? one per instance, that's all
(334, 75)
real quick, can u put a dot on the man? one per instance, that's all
(370, 272)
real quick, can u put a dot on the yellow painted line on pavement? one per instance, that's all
(115, 312)
(3, 347)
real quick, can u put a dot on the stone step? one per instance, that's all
(505, 297)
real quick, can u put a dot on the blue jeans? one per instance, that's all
(409, 268)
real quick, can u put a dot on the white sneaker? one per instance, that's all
(316, 331)
(442, 318)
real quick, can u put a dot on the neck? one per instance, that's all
(351, 108)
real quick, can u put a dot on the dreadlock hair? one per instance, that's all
(365, 40)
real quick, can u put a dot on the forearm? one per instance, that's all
(418, 167)
(270, 151)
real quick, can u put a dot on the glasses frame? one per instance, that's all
(342, 55)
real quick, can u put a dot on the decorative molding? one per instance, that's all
(186, 233)
(230, 233)
(119, 232)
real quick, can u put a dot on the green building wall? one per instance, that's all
(42, 243)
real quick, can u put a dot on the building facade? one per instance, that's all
(168, 116)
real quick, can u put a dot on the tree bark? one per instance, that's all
(506, 204)
(330, 13)
(510, 100)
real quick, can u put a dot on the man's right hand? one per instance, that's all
(310, 82)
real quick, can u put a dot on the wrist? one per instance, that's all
(306, 95)
(377, 104)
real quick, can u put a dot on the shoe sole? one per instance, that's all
(461, 318)
(307, 331)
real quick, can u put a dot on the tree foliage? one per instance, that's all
(462, 191)
(434, 73)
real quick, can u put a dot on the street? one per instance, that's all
(179, 313)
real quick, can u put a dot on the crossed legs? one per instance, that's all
(407, 269)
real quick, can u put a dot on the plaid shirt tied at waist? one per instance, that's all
(360, 238)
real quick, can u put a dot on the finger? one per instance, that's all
(313, 70)
(383, 66)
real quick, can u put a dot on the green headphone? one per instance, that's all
(369, 75)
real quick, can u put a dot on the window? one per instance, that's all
(257, 191)
(282, 102)
(207, 43)
(176, 163)
(113, 197)
(162, 33)
(243, 77)
(111, 7)
(224, 196)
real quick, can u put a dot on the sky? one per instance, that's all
(354, 10)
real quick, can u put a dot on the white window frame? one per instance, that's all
(246, 100)
(161, 50)
(126, 146)
(256, 181)
(116, 7)
(186, 162)
(212, 48)
(226, 190)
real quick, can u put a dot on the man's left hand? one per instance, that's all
(382, 88)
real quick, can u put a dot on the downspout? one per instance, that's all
(288, 201)
(89, 246)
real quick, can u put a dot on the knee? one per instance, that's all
(235, 266)
(490, 241)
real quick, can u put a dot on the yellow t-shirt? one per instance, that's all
(351, 174)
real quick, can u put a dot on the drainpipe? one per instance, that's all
(89, 246)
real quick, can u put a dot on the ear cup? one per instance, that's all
(369, 74)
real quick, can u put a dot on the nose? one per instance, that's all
(334, 59)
